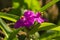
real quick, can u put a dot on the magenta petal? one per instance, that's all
(29, 21)
(39, 20)
(28, 24)
(19, 23)
(28, 13)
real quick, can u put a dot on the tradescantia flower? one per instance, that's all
(28, 19)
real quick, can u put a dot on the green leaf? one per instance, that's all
(43, 26)
(4, 27)
(47, 26)
(9, 17)
(57, 28)
(6, 34)
(48, 5)
(13, 34)
(51, 35)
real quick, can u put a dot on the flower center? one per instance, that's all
(22, 17)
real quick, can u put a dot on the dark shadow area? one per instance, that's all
(18, 11)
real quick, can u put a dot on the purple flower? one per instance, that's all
(28, 19)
